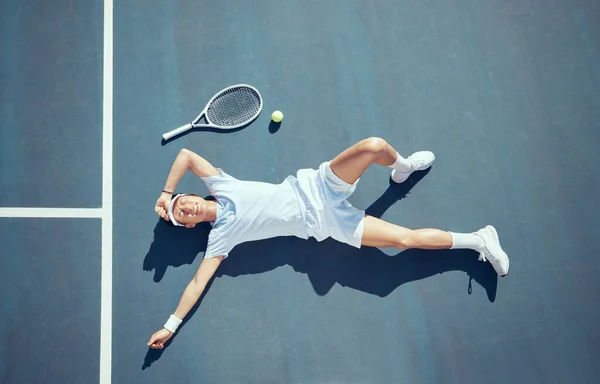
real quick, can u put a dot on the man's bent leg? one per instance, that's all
(354, 161)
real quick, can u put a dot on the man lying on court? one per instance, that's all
(311, 204)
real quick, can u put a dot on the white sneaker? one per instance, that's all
(491, 250)
(419, 161)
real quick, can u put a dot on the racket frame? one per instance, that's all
(194, 123)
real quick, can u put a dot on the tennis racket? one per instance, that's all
(231, 108)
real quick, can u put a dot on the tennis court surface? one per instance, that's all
(506, 94)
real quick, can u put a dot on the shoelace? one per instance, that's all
(418, 163)
(482, 252)
(414, 164)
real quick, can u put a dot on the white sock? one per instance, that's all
(466, 240)
(401, 164)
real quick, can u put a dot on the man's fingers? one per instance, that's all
(160, 211)
(154, 344)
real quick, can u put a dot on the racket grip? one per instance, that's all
(177, 131)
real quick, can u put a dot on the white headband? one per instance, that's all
(171, 216)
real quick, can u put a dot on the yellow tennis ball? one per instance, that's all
(277, 116)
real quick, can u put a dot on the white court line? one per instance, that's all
(105, 213)
(107, 199)
(71, 213)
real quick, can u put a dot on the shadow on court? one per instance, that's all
(164, 142)
(174, 247)
(326, 263)
(274, 127)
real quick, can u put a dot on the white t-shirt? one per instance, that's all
(252, 210)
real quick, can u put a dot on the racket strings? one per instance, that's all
(234, 107)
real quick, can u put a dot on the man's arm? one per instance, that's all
(185, 160)
(194, 290)
(190, 296)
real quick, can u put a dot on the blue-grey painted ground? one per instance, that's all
(51, 104)
(505, 94)
(50, 311)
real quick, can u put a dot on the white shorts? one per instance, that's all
(328, 213)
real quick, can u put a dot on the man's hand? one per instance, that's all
(158, 340)
(162, 205)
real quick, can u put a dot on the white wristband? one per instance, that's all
(172, 324)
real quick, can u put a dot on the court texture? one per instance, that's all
(505, 93)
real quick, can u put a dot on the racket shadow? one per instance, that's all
(205, 129)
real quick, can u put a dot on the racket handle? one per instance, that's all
(177, 131)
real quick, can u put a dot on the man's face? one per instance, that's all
(190, 210)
